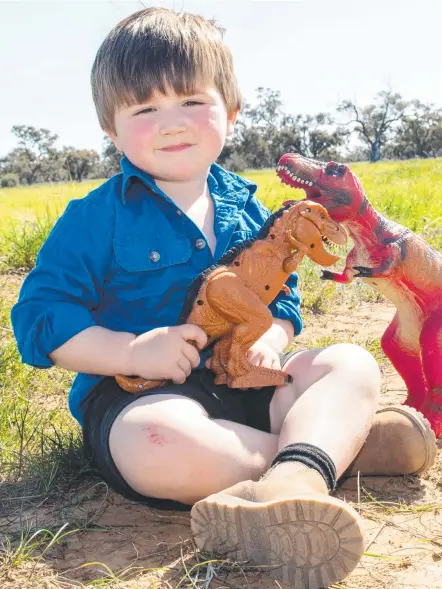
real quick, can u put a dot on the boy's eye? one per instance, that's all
(192, 103)
(145, 110)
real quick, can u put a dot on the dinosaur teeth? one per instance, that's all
(293, 176)
(328, 242)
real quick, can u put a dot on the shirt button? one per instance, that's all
(179, 212)
(200, 243)
(154, 256)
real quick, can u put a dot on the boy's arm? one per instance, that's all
(58, 297)
(95, 350)
(286, 307)
(280, 335)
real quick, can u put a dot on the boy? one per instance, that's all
(106, 293)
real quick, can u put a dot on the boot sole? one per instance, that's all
(426, 430)
(309, 541)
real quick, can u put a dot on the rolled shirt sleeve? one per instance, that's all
(58, 297)
(287, 306)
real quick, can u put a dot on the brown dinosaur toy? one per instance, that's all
(229, 300)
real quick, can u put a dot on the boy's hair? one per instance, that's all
(154, 49)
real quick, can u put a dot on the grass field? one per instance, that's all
(409, 192)
(58, 522)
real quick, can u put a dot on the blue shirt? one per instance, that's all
(123, 258)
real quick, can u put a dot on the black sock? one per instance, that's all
(311, 456)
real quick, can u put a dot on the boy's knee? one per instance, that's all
(358, 364)
(151, 456)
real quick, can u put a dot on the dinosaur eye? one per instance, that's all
(322, 216)
(308, 210)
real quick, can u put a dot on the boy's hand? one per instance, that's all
(260, 354)
(164, 353)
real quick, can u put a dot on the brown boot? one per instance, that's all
(286, 522)
(400, 442)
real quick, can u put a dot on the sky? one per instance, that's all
(315, 52)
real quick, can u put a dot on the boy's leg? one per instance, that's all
(166, 446)
(330, 403)
(287, 520)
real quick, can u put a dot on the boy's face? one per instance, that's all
(174, 138)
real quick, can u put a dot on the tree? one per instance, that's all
(264, 133)
(420, 133)
(319, 137)
(111, 157)
(374, 123)
(33, 159)
(80, 162)
(267, 115)
(250, 146)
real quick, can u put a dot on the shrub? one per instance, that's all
(9, 180)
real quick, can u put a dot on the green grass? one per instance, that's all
(40, 444)
(25, 203)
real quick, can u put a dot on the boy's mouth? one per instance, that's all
(178, 147)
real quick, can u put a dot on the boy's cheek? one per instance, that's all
(214, 131)
(208, 119)
(139, 130)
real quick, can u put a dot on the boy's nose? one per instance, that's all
(172, 124)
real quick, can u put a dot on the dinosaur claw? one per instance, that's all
(326, 275)
(363, 272)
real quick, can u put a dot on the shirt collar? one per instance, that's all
(222, 183)
(129, 172)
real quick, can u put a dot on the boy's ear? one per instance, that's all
(231, 121)
(113, 137)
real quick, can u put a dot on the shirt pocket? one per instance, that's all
(148, 268)
(145, 254)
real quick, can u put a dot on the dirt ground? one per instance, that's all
(403, 515)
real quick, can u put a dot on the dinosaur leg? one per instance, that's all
(250, 319)
(242, 374)
(408, 364)
(220, 358)
(431, 345)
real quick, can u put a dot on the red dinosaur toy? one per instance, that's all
(229, 300)
(395, 261)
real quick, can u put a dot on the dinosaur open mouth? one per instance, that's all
(325, 251)
(325, 239)
(333, 248)
(295, 179)
(328, 243)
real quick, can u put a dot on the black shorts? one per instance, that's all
(107, 399)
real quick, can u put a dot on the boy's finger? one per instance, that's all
(191, 353)
(185, 365)
(189, 331)
(178, 375)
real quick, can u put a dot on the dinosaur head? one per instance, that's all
(333, 185)
(310, 224)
